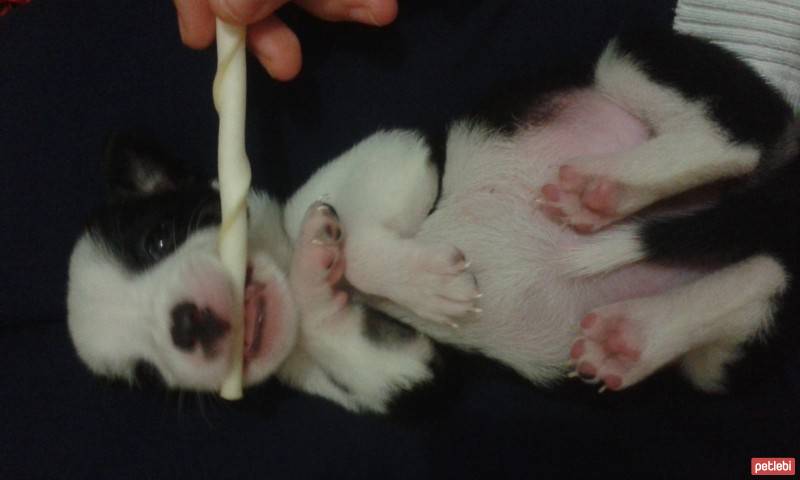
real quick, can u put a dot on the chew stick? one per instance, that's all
(234, 184)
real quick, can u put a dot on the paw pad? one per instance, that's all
(583, 201)
(608, 351)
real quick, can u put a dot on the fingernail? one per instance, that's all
(243, 12)
(363, 15)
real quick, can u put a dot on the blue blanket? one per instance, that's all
(70, 72)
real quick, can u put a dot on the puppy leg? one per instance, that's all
(622, 343)
(431, 280)
(318, 266)
(383, 189)
(315, 274)
(604, 252)
(337, 357)
(592, 193)
(688, 148)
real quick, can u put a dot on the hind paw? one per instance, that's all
(611, 349)
(584, 201)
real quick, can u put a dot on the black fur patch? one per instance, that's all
(759, 218)
(738, 99)
(154, 204)
(384, 330)
(146, 375)
(437, 142)
(134, 164)
(526, 101)
(140, 231)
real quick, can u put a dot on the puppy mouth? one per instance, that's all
(262, 307)
(255, 312)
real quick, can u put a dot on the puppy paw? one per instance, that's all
(586, 202)
(318, 262)
(618, 347)
(439, 285)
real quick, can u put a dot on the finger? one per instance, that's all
(370, 12)
(244, 12)
(195, 22)
(276, 47)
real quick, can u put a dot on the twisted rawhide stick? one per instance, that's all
(230, 91)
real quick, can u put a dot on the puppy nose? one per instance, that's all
(191, 325)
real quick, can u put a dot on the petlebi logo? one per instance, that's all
(772, 466)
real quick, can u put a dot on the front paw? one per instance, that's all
(318, 262)
(440, 286)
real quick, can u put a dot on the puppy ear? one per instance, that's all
(137, 166)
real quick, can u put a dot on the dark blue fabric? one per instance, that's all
(70, 72)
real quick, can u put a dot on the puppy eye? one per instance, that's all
(160, 242)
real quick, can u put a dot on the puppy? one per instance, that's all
(452, 233)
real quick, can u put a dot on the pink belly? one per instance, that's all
(589, 125)
(585, 123)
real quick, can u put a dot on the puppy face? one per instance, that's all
(146, 283)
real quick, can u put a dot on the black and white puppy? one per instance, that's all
(470, 256)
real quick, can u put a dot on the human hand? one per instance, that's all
(274, 44)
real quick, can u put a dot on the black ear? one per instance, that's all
(135, 165)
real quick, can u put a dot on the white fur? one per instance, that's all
(384, 181)
(608, 251)
(525, 266)
(117, 318)
(705, 322)
(537, 278)
(383, 188)
(687, 148)
(336, 354)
